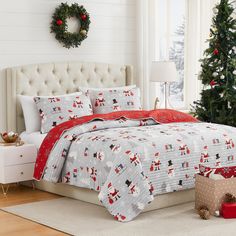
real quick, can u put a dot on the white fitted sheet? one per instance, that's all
(35, 138)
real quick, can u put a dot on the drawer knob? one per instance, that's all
(21, 172)
(21, 155)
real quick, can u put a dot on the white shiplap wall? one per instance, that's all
(25, 34)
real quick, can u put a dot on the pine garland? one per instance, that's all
(218, 75)
(59, 24)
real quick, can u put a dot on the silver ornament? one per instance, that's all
(234, 49)
(234, 72)
(222, 76)
(215, 74)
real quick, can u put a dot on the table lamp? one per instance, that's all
(163, 71)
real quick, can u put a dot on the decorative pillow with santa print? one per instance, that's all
(105, 100)
(55, 110)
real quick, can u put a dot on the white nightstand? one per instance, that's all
(16, 164)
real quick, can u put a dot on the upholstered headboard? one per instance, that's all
(56, 79)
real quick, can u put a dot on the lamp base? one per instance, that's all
(156, 103)
(167, 93)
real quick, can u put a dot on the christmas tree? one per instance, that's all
(218, 75)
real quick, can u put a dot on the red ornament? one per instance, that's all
(59, 22)
(216, 52)
(213, 83)
(83, 17)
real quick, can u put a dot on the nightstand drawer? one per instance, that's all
(18, 173)
(19, 155)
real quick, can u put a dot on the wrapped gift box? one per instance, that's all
(228, 210)
(225, 172)
(211, 193)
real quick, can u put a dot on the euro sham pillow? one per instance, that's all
(105, 100)
(31, 114)
(55, 110)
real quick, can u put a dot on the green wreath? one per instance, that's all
(59, 25)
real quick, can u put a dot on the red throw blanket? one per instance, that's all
(160, 116)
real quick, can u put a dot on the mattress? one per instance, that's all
(35, 138)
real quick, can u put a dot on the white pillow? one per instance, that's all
(31, 114)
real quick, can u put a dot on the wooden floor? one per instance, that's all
(13, 225)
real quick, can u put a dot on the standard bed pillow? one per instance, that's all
(31, 114)
(55, 110)
(105, 100)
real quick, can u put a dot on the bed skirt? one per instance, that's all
(90, 196)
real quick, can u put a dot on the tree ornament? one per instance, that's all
(215, 10)
(215, 74)
(234, 49)
(59, 25)
(222, 76)
(234, 72)
(213, 83)
(59, 22)
(216, 52)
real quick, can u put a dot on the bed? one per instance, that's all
(64, 78)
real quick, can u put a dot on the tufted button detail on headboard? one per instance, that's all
(57, 79)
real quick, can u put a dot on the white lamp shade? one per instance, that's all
(163, 71)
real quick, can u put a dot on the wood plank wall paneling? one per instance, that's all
(25, 36)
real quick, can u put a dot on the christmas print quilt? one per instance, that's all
(129, 158)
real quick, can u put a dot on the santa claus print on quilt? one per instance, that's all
(114, 99)
(58, 109)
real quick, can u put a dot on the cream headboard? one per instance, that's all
(58, 78)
